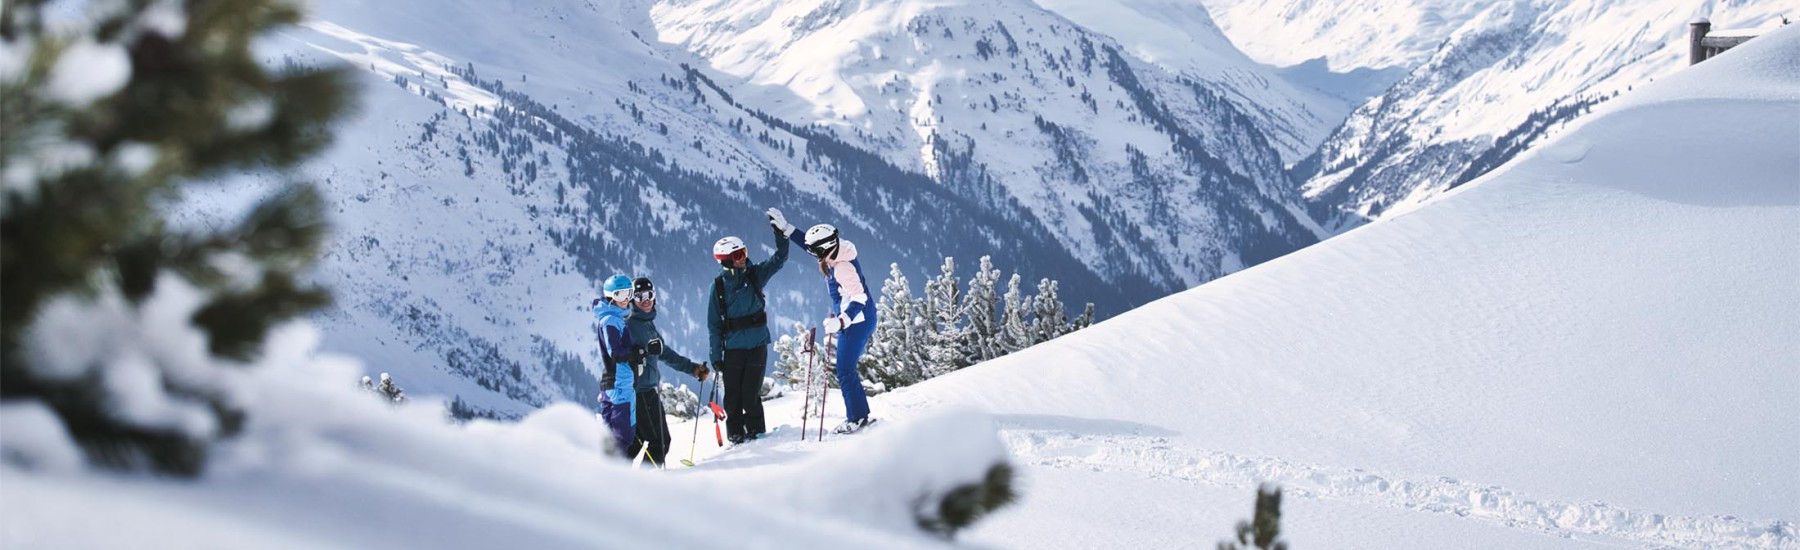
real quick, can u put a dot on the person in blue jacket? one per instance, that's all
(622, 360)
(740, 328)
(852, 314)
(640, 325)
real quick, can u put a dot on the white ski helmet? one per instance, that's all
(726, 247)
(822, 240)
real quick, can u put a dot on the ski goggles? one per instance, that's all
(644, 295)
(823, 250)
(735, 256)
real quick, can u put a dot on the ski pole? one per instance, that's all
(695, 442)
(806, 401)
(717, 413)
(825, 385)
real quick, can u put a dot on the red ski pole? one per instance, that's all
(717, 413)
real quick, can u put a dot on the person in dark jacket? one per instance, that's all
(740, 328)
(652, 425)
(621, 361)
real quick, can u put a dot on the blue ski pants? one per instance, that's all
(850, 346)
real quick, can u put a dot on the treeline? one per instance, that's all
(950, 325)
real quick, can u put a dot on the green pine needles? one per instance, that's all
(967, 504)
(107, 122)
(1264, 529)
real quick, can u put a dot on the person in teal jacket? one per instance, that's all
(740, 328)
(652, 422)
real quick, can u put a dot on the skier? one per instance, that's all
(852, 314)
(739, 327)
(652, 425)
(621, 362)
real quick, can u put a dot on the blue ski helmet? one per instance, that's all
(617, 288)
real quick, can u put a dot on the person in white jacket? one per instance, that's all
(852, 311)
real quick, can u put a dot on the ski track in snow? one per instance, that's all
(1160, 458)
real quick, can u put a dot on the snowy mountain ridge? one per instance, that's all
(1055, 115)
(1488, 80)
(512, 155)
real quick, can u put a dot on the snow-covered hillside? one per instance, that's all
(1488, 80)
(322, 465)
(1348, 35)
(1138, 171)
(1591, 347)
(509, 155)
(1295, 111)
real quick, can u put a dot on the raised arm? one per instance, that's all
(715, 326)
(768, 268)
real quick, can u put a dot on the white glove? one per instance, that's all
(780, 222)
(836, 323)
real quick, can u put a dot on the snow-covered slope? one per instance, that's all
(510, 155)
(1182, 38)
(1591, 347)
(1488, 80)
(1348, 35)
(322, 465)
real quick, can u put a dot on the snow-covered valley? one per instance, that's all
(1590, 346)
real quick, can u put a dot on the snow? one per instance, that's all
(1182, 37)
(86, 71)
(1593, 344)
(351, 471)
(15, 57)
(1590, 347)
(1480, 72)
(164, 17)
(132, 352)
(36, 438)
(1357, 34)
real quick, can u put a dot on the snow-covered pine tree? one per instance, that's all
(678, 401)
(981, 304)
(1264, 529)
(1085, 320)
(894, 350)
(790, 361)
(944, 345)
(108, 113)
(1048, 318)
(1015, 324)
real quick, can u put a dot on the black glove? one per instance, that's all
(654, 348)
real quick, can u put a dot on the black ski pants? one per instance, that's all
(652, 427)
(743, 371)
